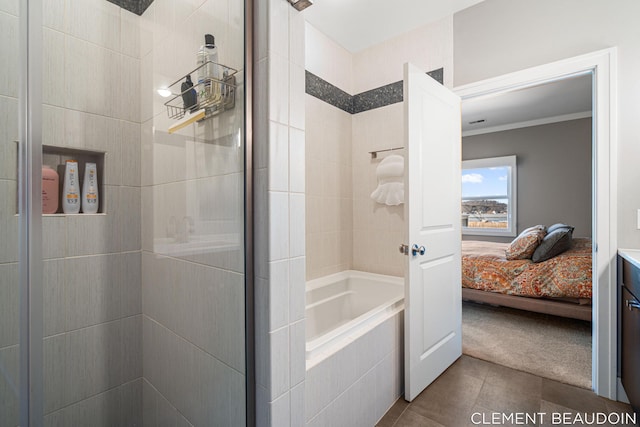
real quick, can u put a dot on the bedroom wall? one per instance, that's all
(554, 172)
(500, 36)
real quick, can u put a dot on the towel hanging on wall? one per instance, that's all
(390, 173)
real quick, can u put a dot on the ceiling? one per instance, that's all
(359, 24)
(546, 103)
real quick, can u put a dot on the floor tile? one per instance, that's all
(613, 406)
(575, 398)
(482, 416)
(505, 398)
(393, 413)
(448, 397)
(471, 366)
(471, 386)
(521, 382)
(412, 419)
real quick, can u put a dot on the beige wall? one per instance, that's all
(329, 211)
(500, 36)
(554, 172)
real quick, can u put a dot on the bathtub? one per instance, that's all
(346, 305)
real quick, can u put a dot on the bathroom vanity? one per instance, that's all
(629, 324)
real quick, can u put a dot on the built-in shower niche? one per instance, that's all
(56, 157)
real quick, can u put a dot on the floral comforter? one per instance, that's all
(566, 275)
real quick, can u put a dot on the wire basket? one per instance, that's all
(214, 94)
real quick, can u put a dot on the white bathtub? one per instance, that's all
(346, 305)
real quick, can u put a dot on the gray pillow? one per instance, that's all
(553, 244)
(557, 226)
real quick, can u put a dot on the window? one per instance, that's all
(489, 196)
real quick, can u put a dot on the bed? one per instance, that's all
(560, 286)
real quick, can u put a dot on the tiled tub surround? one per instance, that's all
(339, 210)
(355, 385)
(354, 348)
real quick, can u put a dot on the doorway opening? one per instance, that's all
(603, 217)
(527, 165)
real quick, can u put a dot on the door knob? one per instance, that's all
(415, 250)
(404, 249)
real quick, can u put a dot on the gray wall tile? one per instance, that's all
(8, 134)
(131, 404)
(54, 236)
(131, 289)
(129, 216)
(102, 410)
(9, 385)
(131, 161)
(131, 348)
(9, 55)
(55, 297)
(95, 355)
(9, 305)
(93, 290)
(149, 405)
(55, 372)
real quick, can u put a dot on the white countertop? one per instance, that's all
(631, 255)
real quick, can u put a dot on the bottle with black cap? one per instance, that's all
(189, 96)
(208, 52)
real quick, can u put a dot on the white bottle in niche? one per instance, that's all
(71, 189)
(90, 189)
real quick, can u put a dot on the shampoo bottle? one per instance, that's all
(208, 90)
(90, 189)
(50, 190)
(70, 189)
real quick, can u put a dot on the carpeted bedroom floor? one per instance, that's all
(548, 346)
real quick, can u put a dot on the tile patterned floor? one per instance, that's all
(474, 386)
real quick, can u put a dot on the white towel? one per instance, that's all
(390, 173)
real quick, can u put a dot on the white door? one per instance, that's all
(433, 305)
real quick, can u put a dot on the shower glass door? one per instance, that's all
(9, 248)
(136, 311)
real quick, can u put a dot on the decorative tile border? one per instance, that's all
(136, 6)
(325, 91)
(365, 101)
(378, 97)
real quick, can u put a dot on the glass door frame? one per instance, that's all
(30, 213)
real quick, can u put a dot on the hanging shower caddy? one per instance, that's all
(215, 95)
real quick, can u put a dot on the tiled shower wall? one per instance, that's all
(9, 286)
(329, 207)
(369, 240)
(193, 223)
(91, 96)
(92, 322)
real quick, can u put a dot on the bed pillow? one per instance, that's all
(523, 246)
(557, 226)
(554, 243)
